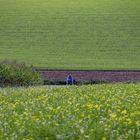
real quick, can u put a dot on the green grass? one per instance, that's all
(100, 112)
(71, 34)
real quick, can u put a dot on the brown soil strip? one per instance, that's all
(101, 75)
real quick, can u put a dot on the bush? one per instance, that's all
(91, 82)
(54, 82)
(82, 82)
(18, 74)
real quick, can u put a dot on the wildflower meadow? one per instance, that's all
(100, 112)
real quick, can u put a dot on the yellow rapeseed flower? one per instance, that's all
(103, 138)
(124, 112)
(113, 116)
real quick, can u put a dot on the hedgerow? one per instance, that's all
(18, 74)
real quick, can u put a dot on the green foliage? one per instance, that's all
(82, 82)
(15, 74)
(71, 34)
(99, 112)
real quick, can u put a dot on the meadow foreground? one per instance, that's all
(100, 112)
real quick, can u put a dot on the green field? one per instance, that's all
(71, 34)
(100, 112)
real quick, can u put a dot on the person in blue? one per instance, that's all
(70, 80)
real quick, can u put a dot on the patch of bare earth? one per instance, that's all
(101, 75)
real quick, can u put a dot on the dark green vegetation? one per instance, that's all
(71, 34)
(14, 74)
(82, 82)
(100, 112)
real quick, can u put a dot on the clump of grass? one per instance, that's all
(18, 74)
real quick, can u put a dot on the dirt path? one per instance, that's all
(102, 75)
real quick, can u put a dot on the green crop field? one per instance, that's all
(71, 34)
(100, 112)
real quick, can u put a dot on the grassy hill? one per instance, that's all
(71, 34)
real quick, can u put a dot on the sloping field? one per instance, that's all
(100, 112)
(71, 34)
